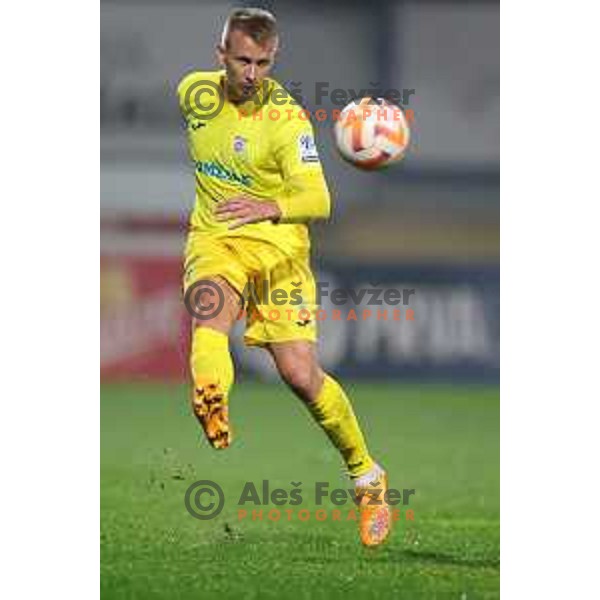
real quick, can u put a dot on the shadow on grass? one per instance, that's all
(439, 558)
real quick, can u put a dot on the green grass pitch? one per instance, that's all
(441, 440)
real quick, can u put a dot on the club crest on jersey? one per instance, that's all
(239, 144)
(307, 149)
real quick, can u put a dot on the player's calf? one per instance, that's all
(298, 367)
(212, 370)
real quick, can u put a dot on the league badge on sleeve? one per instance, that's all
(307, 149)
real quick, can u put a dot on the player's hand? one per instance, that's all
(242, 210)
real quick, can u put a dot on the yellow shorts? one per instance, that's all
(278, 288)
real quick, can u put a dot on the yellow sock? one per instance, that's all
(333, 411)
(210, 359)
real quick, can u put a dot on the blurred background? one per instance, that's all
(430, 223)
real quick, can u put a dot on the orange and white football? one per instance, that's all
(372, 133)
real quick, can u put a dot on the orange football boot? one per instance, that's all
(375, 514)
(210, 407)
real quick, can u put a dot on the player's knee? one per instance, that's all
(302, 378)
(300, 381)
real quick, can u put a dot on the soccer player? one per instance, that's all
(259, 182)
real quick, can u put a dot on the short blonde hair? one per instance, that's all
(257, 23)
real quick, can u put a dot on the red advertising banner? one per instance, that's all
(144, 328)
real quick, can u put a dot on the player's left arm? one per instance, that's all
(305, 196)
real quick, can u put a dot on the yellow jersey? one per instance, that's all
(263, 148)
